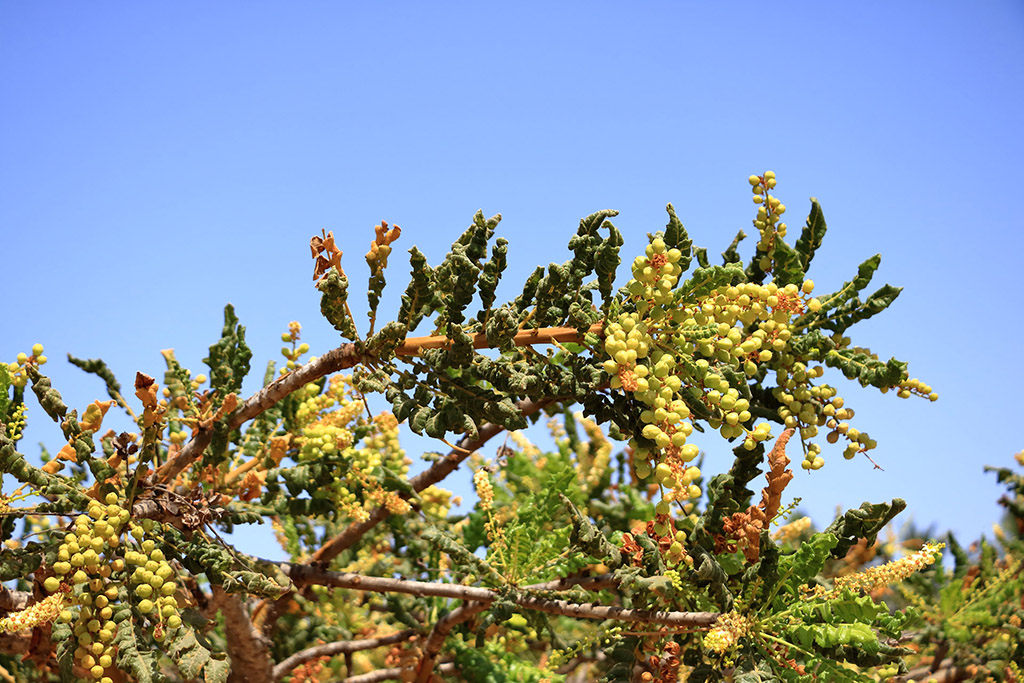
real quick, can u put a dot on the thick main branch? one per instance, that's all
(306, 574)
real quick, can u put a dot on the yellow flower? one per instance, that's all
(729, 628)
(33, 615)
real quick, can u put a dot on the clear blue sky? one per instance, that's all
(162, 159)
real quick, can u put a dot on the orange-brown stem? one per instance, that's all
(540, 335)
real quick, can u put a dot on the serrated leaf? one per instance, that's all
(864, 522)
(139, 663)
(706, 279)
(189, 656)
(812, 234)
(808, 561)
(5, 384)
(216, 671)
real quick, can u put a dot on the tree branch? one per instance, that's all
(540, 335)
(306, 574)
(340, 358)
(250, 660)
(438, 634)
(345, 356)
(341, 647)
(14, 601)
(432, 475)
(392, 674)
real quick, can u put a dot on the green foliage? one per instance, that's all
(622, 560)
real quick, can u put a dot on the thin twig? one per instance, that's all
(540, 335)
(438, 634)
(392, 674)
(338, 648)
(340, 358)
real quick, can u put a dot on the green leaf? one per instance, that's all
(97, 367)
(189, 656)
(65, 643)
(706, 279)
(867, 368)
(732, 563)
(5, 385)
(809, 560)
(677, 237)
(229, 357)
(731, 255)
(811, 236)
(131, 655)
(864, 522)
(216, 671)
(333, 297)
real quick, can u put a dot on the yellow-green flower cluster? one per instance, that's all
(674, 341)
(338, 393)
(436, 502)
(484, 490)
(17, 369)
(16, 425)
(87, 559)
(36, 614)
(153, 582)
(670, 343)
(726, 632)
(886, 574)
(323, 438)
(793, 531)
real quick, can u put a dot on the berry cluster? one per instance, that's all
(671, 344)
(915, 387)
(91, 570)
(296, 351)
(685, 354)
(153, 583)
(769, 212)
(17, 369)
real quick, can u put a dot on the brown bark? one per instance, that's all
(250, 659)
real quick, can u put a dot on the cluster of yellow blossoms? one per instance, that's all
(886, 574)
(17, 369)
(86, 588)
(681, 345)
(726, 632)
(36, 614)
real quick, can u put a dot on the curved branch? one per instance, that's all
(339, 648)
(444, 626)
(343, 357)
(392, 674)
(340, 358)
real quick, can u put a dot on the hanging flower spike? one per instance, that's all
(34, 615)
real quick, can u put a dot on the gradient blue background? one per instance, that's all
(160, 160)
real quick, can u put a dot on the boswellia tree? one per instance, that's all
(623, 554)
